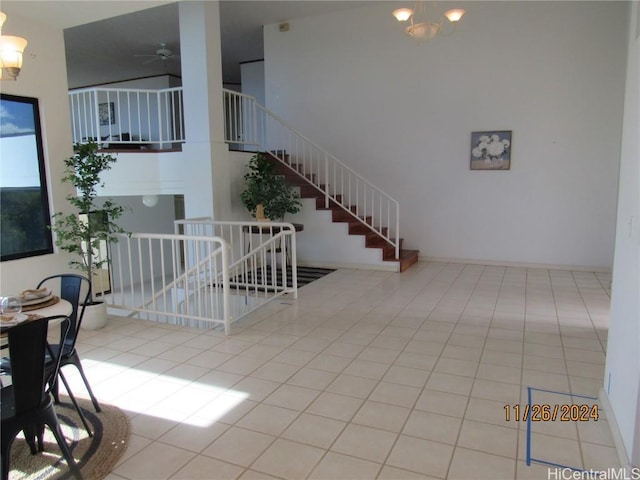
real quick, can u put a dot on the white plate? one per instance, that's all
(35, 294)
(36, 301)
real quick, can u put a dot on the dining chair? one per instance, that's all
(76, 289)
(26, 403)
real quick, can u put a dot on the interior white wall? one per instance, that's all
(622, 373)
(252, 78)
(146, 173)
(252, 83)
(401, 114)
(43, 59)
(138, 218)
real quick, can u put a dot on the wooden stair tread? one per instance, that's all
(293, 173)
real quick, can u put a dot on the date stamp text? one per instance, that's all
(545, 412)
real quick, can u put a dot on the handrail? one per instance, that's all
(251, 124)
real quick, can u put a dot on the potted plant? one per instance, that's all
(266, 194)
(83, 231)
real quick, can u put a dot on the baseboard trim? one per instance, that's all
(392, 267)
(618, 444)
(471, 261)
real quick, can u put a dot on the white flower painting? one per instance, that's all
(491, 150)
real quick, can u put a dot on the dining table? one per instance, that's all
(60, 307)
(57, 306)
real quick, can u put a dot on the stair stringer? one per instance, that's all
(324, 243)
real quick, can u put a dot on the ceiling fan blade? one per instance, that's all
(163, 53)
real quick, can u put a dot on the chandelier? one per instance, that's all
(11, 49)
(424, 25)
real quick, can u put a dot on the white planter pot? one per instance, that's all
(95, 316)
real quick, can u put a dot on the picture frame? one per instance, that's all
(491, 150)
(107, 113)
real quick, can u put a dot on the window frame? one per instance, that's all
(44, 192)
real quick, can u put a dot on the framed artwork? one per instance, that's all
(491, 150)
(107, 113)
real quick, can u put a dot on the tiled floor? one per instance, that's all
(367, 375)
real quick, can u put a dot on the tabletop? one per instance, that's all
(61, 307)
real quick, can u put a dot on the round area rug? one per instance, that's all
(96, 456)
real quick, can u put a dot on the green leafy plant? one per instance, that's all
(81, 233)
(264, 187)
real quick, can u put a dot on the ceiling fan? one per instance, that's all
(162, 53)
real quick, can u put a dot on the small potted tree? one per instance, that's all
(82, 232)
(267, 195)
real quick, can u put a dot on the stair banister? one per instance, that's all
(256, 133)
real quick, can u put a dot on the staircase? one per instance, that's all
(357, 226)
(349, 196)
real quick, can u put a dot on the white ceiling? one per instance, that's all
(103, 37)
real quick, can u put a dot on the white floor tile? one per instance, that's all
(365, 375)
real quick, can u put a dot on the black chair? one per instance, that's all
(71, 290)
(26, 403)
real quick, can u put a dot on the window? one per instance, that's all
(24, 205)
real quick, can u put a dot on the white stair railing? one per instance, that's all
(250, 124)
(171, 278)
(262, 256)
(201, 279)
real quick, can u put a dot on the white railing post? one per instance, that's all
(397, 232)
(294, 264)
(254, 135)
(226, 290)
(158, 99)
(97, 116)
(326, 181)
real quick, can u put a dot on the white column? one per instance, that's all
(206, 170)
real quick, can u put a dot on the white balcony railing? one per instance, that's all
(128, 118)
